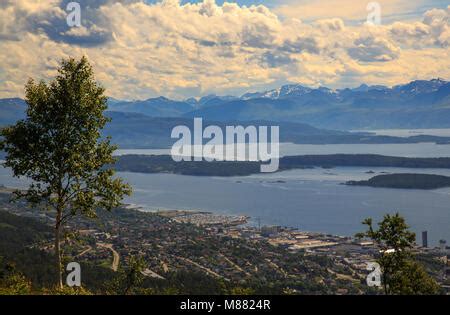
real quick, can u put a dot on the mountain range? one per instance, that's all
(295, 108)
(418, 104)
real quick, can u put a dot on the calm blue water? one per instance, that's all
(311, 200)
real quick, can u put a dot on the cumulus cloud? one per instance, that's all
(371, 48)
(334, 24)
(434, 29)
(141, 50)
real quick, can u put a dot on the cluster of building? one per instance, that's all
(444, 252)
(203, 218)
(166, 245)
(345, 251)
(288, 238)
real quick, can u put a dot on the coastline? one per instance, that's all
(198, 217)
(206, 219)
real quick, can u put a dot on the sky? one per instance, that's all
(179, 49)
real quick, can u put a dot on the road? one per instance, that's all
(88, 249)
(116, 257)
(236, 266)
(207, 270)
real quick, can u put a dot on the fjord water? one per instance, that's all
(311, 199)
(403, 150)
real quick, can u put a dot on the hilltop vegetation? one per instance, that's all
(165, 164)
(407, 181)
(22, 243)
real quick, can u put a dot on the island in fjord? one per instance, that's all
(405, 181)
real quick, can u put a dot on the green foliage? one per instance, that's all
(59, 147)
(129, 280)
(165, 164)
(15, 284)
(242, 291)
(392, 233)
(371, 160)
(406, 181)
(11, 281)
(67, 291)
(18, 239)
(400, 273)
(413, 279)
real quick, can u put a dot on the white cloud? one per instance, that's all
(433, 30)
(370, 48)
(141, 50)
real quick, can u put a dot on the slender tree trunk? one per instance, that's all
(58, 249)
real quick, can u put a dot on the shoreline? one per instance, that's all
(198, 217)
(234, 225)
(238, 221)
